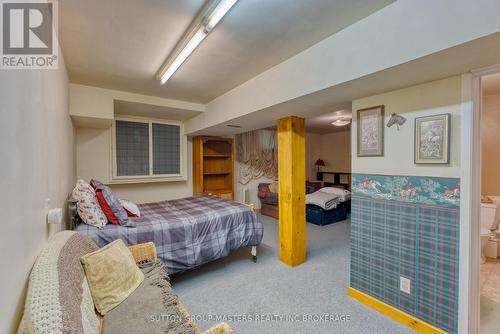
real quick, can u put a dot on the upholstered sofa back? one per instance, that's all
(58, 298)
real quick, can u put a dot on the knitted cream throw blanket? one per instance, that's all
(152, 308)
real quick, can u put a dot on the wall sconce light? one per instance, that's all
(396, 119)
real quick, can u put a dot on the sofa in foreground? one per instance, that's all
(59, 298)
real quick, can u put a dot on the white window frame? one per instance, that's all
(181, 176)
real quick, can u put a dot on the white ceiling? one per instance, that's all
(323, 123)
(491, 84)
(120, 44)
(463, 58)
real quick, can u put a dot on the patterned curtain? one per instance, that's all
(257, 154)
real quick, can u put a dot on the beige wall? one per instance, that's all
(313, 152)
(94, 107)
(333, 148)
(94, 160)
(36, 145)
(92, 110)
(490, 137)
(437, 97)
(336, 151)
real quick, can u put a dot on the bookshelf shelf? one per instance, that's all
(213, 171)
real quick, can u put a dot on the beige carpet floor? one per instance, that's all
(235, 286)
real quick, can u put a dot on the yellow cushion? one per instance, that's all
(112, 275)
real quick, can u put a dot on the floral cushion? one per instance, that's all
(87, 205)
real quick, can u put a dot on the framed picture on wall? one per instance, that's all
(371, 132)
(432, 139)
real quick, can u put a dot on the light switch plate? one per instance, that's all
(405, 285)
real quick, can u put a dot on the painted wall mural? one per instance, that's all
(408, 226)
(411, 189)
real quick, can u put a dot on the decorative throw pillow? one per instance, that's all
(274, 187)
(110, 204)
(112, 275)
(131, 208)
(105, 208)
(87, 205)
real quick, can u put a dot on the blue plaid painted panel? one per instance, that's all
(398, 230)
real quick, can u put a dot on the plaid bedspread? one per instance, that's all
(187, 232)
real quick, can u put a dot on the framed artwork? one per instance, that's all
(432, 139)
(371, 132)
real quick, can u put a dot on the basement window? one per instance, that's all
(148, 151)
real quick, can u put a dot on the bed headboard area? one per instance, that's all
(72, 215)
(342, 179)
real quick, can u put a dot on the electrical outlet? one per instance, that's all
(404, 284)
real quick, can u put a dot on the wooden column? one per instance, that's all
(292, 190)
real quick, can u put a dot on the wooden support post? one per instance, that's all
(292, 190)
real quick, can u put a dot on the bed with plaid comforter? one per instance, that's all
(187, 232)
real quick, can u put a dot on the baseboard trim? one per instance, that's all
(394, 313)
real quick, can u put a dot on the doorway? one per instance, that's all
(488, 201)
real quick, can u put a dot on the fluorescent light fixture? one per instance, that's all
(205, 22)
(222, 8)
(182, 56)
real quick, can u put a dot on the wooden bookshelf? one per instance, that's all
(213, 166)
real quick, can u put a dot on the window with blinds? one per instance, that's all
(147, 149)
(166, 149)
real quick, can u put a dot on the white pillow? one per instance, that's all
(130, 207)
(333, 190)
(87, 206)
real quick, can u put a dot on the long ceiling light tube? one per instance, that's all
(219, 12)
(211, 14)
(183, 55)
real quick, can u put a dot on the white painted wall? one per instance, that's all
(92, 110)
(451, 95)
(403, 31)
(36, 146)
(94, 102)
(93, 161)
(438, 97)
